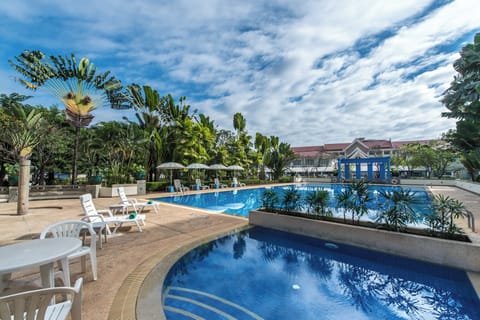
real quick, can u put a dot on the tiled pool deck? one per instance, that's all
(126, 259)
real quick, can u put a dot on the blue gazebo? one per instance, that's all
(382, 162)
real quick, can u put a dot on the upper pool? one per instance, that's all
(240, 202)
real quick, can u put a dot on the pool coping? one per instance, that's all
(126, 300)
(454, 254)
(130, 300)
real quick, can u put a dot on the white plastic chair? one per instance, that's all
(200, 186)
(137, 206)
(235, 183)
(179, 187)
(217, 184)
(107, 217)
(72, 228)
(37, 304)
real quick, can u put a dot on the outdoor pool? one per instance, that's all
(265, 274)
(240, 202)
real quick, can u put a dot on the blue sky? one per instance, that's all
(310, 72)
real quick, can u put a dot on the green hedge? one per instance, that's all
(161, 186)
(157, 186)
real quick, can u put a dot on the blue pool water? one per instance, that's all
(265, 274)
(241, 202)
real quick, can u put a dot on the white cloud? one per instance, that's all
(293, 68)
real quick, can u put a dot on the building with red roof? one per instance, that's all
(320, 160)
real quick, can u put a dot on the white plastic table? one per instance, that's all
(39, 252)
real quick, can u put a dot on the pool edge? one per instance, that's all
(125, 302)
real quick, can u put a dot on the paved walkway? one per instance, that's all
(128, 257)
(122, 255)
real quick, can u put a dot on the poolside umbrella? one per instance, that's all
(235, 167)
(171, 166)
(217, 167)
(196, 166)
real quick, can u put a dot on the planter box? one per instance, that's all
(111, 192)
(455, 254)
(95, 179)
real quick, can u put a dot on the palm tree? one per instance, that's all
(278, 157)
(397, 210)
(318, 200)
(151, 116)
(445, 211)
(262, 144)
(345, 201)
(243, 144)
(21, 133)
(79, 88)
(239, 123)
(360, 199)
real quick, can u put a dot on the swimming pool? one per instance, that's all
(265, 274)
(241, 202)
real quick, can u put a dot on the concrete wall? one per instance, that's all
(110, 192)
(469, 186)
(454, 254)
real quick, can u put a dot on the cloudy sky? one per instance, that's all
(310, 72)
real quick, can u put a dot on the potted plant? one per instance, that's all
(138, 171)
(95, 177)
(12, 171)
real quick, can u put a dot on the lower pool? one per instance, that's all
(265, 274)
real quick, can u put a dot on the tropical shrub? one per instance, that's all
(360, 198)
(12, 169)
(318, 201)
(445, 210)
(157, 185)
(291, 200)
(269, 199)
(345, 201)
(284, 179)
(396, 210)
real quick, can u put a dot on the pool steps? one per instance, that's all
(201, 304)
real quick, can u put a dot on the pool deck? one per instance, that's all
(127, 258)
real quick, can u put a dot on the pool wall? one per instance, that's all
(455, 254)
(153, 271)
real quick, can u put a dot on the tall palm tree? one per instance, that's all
(278, 156)
(151, 118)
(78, 86)
(262, 144)
(239, 123)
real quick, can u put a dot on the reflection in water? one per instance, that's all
(239, 247)
(241, 202)
(276, 275)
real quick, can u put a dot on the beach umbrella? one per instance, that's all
(235, 167)
(171, 166)
(217, 167)
(196, 166)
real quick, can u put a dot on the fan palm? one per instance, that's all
(78, 86)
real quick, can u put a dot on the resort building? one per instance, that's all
(316, 161)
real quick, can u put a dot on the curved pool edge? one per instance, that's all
(130, 301)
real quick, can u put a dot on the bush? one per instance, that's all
(157, 186)
(285, 179)
(291, 200)
(269, 199)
